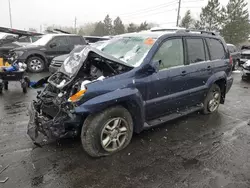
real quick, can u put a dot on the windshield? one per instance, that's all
(131, 50)
(43, 41)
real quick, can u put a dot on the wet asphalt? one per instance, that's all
(194, 151)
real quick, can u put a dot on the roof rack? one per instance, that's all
(196, 31)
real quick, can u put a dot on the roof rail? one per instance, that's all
(196, 31)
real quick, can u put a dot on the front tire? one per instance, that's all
(212, 101)
(35, 64)
(107, 132)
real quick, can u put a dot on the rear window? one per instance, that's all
(216, 49)
(196, 52)
(76, 40)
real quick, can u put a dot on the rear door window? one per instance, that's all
(76, 40)
(59, 41)
(216, 48)
(195, 50)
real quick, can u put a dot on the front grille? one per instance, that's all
(57, 63)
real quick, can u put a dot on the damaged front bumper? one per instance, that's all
(43, 130)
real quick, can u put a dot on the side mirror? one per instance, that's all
(52, 45)
(154, 66)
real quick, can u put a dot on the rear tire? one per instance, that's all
(212, 100)
(1, 88)
(27, 80)
(107, 132)
(35, 64)
(6, 85)
(24, 86)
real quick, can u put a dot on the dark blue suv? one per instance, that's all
(134, 82)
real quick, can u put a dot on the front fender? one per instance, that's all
(130, 98)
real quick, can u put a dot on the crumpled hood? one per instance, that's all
(85, 52)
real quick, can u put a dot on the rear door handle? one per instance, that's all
(209, 68)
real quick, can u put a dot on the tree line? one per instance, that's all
(231, 21)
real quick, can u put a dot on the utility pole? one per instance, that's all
(75, 26)
(10, 15)
(178, 13)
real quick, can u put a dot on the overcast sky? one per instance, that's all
(33, 13)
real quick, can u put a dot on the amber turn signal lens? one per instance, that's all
(77, 96)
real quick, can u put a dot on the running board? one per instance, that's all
(163, 119)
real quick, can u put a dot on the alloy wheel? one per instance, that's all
(114, 134)
(214, 102)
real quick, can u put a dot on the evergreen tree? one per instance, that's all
(236, 27)
(108, 27)
(118, 26)
(187, 21)
(210, 17)
(99, 29)
(143, 26)
(131, 28)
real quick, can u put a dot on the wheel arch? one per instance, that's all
(128, 98)
(37, 55)
(219, 78)
(222, 84)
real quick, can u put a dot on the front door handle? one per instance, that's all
(208, 67)
(183, 73)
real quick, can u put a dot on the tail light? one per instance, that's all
(231, 60)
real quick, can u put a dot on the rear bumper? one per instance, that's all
(42, 130)
(229, 83)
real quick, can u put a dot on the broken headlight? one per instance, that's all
(80, 93)
(77, 96)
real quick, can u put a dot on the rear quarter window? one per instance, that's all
(216, 48)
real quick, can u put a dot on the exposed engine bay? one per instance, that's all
(51, 114)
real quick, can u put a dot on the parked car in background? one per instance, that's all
(235, 54)
(135, 82)
(246, 70)
(7, 36)
(39, 54)
(57, 62)
(14, 38)
(245, 54)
